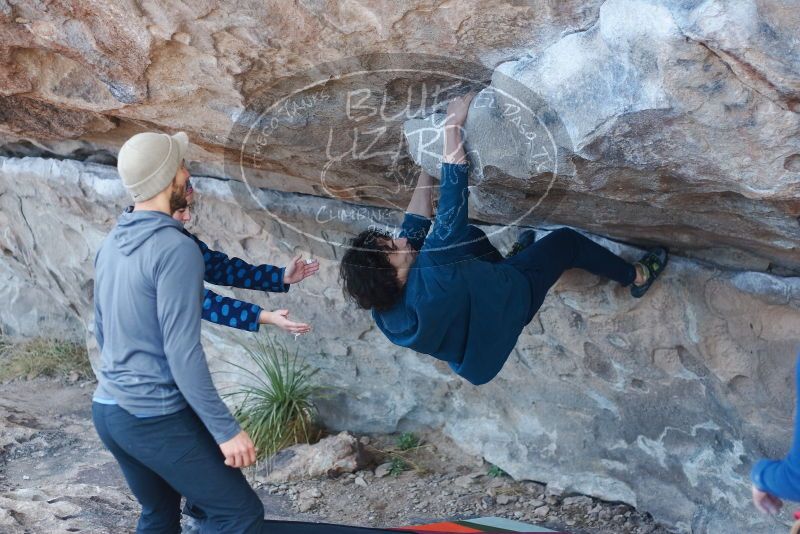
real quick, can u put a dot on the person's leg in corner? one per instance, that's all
(160, 503)
(780, 479)
(546, 260)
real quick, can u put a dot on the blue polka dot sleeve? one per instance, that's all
(235, 272)
(230, 312)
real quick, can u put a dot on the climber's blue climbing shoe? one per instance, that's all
(653, 263)
(525, 239)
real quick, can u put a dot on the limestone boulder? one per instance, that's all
(662, 402)
(655, 121)
(688, 106)
(640, 121)
(329, 457)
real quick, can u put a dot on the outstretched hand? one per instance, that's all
(766, 503)
(298, 270)
(280, 318)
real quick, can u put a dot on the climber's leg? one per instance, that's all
(525, 239)
(479, 246)
(546, 260)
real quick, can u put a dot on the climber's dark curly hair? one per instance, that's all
(368, 278)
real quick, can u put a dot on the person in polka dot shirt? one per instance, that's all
(235, 272)
(222, 270)
(226, 311)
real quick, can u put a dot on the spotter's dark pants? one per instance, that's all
(168, 456)
(165, 457)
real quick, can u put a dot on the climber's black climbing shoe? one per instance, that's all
(525, 239)
(654, 263)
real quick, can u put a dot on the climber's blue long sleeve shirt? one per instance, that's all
(235, 272)
(454, 307)
(781, 478)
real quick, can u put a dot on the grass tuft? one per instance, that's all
(397, 466)
(404, 455)
(407, 441)
(275, 407)
(495, 471)
(43, 357)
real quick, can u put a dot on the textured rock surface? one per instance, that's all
(55, 475)
(331, 456)
(662, 403)
(672, 121)
(677, 121)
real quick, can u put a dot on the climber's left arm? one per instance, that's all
(457, 112)
(422, 200)
(417, 220)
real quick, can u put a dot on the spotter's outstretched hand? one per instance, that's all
(280, 318)
(299, 269)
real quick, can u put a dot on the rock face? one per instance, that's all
(647, 121)
(690, 107)
(667, 121)
(329, 457)
(663, 403)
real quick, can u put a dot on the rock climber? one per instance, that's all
(428, 292)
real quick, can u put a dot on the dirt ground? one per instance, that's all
(55, 476)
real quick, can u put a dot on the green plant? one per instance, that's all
(407, 441)
(495, 471)
(275, 408)
(43, 357)
(397, 466)
(404, 455)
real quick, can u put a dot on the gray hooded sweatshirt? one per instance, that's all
(148, 289)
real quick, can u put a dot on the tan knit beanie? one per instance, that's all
(148, 162)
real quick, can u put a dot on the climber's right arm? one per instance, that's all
(422, 200)
(451, 215)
